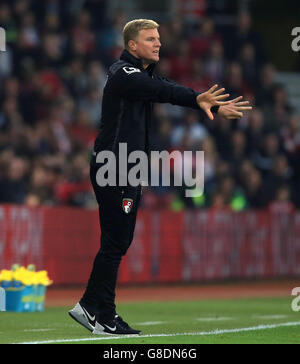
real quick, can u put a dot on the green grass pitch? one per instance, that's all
(263, 320)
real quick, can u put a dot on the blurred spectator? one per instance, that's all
(74, 78)
(13, 185)
(11, 87)
(40, 139)
(92, 105)
(96, 76)
(243, 170)
(202, 39)
(263, 158)
(75, 188)
(6, 63)
(82, 37)
(59, 131)
(110, 40)
(232, 195)
(52, 51)
(174, 112)
(215, 63)
(255, 131)
(218, 202)
(29, 35)
(10, 117)
(222, 134)
(164, 68)
(181, 61)
(238, 148)
(278, 112)
(291, 136)
(52, 24)
(255, 190)
(210, 160)
(8, 23)
(282, 203)
(244, 34)
(20, 7)
(250, 66)
(234, 82)
(161, 140)
(82, 131)
(266, 84)
(291, 144)
(190, 128)
(280, 175)
(176, 34)
(40, 186)
(197, 79)
(192, 10)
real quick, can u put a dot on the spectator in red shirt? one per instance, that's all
(181, 62)
(200, 43)
(197, 79)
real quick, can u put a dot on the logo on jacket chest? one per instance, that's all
(130, 70)
(127, 205)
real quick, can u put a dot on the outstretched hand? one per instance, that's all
(211, 98)
(234, 109)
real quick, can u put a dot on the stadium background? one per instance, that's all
(247, 223)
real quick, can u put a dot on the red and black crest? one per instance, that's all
(127, 205)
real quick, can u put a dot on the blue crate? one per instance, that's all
(39, 299)
(20, 299)
(2, 299)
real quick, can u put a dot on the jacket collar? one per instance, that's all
(128, 57)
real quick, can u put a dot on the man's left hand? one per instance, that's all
(234, 110)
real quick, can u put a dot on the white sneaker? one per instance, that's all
(80, 314)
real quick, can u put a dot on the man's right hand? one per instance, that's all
(211, 98)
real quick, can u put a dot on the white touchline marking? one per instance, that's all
(150, 323)
(210, 319)
(37, 330)
(201, 333)
(271, 316)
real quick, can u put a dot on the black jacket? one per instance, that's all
(127, 101)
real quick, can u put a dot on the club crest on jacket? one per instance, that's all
(127, 205)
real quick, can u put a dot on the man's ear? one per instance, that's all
(132, 45)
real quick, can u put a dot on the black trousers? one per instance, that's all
(117, 229)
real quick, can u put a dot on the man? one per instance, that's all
(131, 88)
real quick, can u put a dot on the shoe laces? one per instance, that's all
(121, 322)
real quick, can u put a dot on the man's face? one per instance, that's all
(147, 45)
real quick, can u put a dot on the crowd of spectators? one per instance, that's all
(52, 76)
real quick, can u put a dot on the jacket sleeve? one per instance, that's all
(131, 83)
(214, 109)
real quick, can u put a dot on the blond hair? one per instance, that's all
(132, 28)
